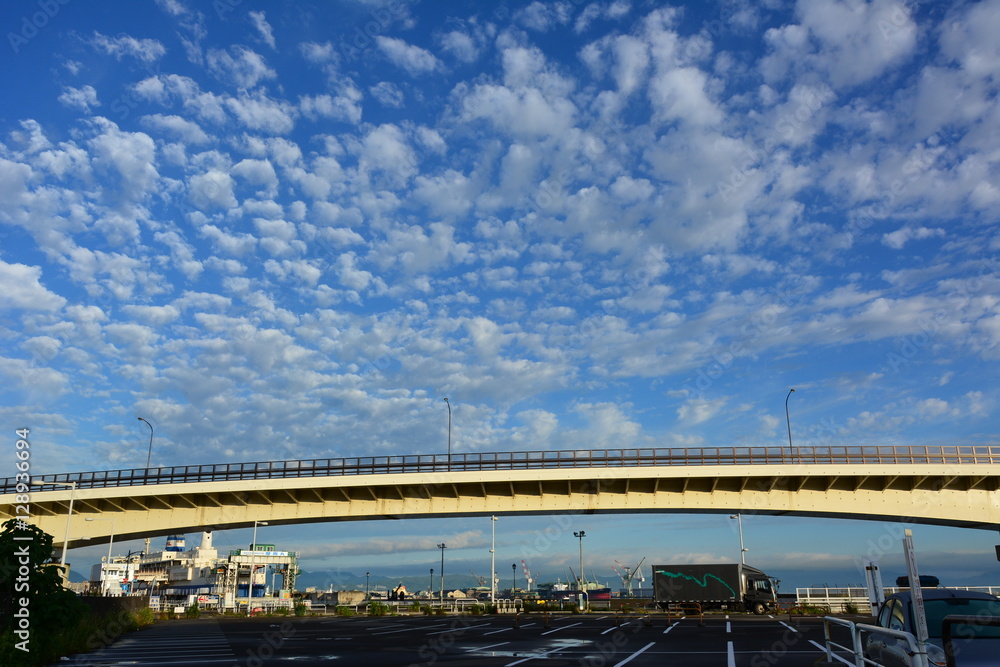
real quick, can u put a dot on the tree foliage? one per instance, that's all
(34, 604)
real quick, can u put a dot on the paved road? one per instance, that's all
(481, 641)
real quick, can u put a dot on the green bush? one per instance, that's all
(143, 617)
(89, 633)
(300, 610)
(53, 611)
(192, 611)
(377, 609)
(344, 611)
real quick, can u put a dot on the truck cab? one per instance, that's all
(759, 593)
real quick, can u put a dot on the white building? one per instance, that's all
(181, 576)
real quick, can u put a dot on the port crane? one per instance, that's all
(630, 575)
(527, 575)
(481, 580)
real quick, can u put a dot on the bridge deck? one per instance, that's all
(527, 460)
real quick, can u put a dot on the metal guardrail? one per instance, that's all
(837, 598)
(529, 460)
(857, 651)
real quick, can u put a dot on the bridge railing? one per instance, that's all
(527, 460)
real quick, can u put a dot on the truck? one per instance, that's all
(715, 586)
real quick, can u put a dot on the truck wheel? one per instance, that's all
(759, 608)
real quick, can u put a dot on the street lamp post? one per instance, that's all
(110, 543)
(449, 432)
(493, 559)
(69, 516)
(743, 551)
(788, 419)
(367, 581)
(442, 547)
(583, 579)
(789, 422)
(149, 454)
(430, 589)
(513, 579)
(253, 563)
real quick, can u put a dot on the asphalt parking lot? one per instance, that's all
(593, 640)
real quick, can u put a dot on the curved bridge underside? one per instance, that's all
(952, 494)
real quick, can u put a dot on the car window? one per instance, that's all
(897, 619)
(936, 610)
(885, 613)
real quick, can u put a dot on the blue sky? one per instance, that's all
(288, 230)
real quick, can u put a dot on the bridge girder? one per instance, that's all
(940, 494)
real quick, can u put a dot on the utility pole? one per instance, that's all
(442, 547)
(583, 578)
(493, 559)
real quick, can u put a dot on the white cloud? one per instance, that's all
(257, 172)
(259, 112)
(387, 93)
(23, 290)
(544, 16)
(933, 407)
(185, 130)
(212, 189)
(127, 158)
(298, 269)
(846, 42)
(79, 98)
(33, 381)
(699, 410)
(899, 238)
(460, 45)
(259, 21)
(154, 316)
(386, 149)
(346, 106)
(680, 94)
(244, 68)
(318, 53)
(146, 50)
(409, 57)
(525, 113)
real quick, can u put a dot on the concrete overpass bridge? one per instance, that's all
(946, 485)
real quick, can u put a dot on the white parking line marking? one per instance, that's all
(459, 629)
(496, 632)
(483, 648)
(615, 627)
(562, 628)
(795, 630)
(631, 657)
(731, 655)
(671, 627)
(823, 648)
(532, 657)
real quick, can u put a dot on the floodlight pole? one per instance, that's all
(69, 516)
(442, 547)
(493, 559)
